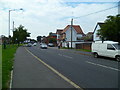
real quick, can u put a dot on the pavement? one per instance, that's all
(28, 72)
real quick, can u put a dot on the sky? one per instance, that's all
(40, 17)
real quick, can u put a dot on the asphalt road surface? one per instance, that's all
(85, 70)
(28, 72)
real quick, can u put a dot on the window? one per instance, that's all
(117, 46)
(110, 47)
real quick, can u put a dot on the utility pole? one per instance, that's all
(13, 25)
(13, 28)
(9, 19)
(9, 24)
(119, 7)
(71, 31)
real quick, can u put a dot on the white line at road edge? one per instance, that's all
(103, 66)
(55, 71)
(11, 79)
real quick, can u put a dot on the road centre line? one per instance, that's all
(103, 66)
(55, 71)
(65, 56)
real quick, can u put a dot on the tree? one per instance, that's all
(111, 30)
(20, 34)
(52, 40)
(39, 38)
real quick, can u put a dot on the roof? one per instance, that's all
(59, 31)
(53, 34)
(90, 33)
(100, 24)
(107, 42)
(76, 27)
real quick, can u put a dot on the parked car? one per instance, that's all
(43, 46)
(51, 45)
(106, 48)
(34, 44)
(29, 45)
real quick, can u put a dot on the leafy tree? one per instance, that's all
(20, 34)
(39, 38)
(52, 40)
(111, 29)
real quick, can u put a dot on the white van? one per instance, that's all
(106, 48)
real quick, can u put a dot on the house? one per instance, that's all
(96, 37)
(89, 36)
(59, 35)
(77, 34)
(52, 38)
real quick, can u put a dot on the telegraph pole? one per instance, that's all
(9, 24)
(13, 25)
(13, 28)
(119, 7)
(71, 31)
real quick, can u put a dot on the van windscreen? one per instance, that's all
(117, 46)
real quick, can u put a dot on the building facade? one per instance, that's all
(96, 37)
(76, 35)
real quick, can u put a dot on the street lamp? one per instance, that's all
(9, 19)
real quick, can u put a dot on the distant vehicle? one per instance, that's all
(29, 45)
(51, 45)
(43, 46)
(34, 44)
(106, 48)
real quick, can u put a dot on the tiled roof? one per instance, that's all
(76, 27)
(59, 31)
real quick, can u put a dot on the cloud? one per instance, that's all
(43, 16)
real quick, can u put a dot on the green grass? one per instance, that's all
(85, 50)
(7, 63)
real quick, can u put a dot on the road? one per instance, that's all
(29, 72)
(85, 70)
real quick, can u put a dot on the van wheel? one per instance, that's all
(96, 55)
(118, 58)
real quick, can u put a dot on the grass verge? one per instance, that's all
(7, 63)
(85, 50)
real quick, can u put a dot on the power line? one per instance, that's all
(97, 11)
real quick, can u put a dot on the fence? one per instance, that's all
(84, 45)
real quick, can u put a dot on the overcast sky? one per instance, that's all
(43, 16)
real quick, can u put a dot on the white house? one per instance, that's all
(96, 37)
(77, 34)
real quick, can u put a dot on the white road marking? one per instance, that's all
(103, 66)
(65, 56)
